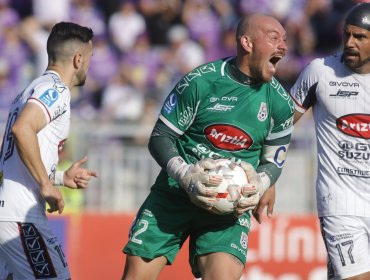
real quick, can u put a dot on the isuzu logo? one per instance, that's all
(228, 137)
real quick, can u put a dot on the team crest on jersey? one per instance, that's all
(244, 240)
(49, 97)
(262, 113)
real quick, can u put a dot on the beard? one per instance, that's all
(81, 78)
(354, 63)
(257, 74)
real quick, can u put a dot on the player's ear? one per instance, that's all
(77, 60)
(246, 43)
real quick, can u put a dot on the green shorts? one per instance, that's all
(166, 220)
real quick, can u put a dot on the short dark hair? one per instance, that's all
(63, 32)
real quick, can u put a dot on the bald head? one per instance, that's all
(251, 22)
(261, 43)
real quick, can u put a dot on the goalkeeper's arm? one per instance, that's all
(199, 185)
(272, 160)
(162, 144)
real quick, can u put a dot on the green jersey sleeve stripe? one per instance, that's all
(280, 134)
(279, 141)
(170, 125)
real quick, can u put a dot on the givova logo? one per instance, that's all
(49, 97)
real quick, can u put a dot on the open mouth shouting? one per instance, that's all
(274, 61)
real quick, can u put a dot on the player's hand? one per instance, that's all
(268, 199)
(53, 197)
(200, 186)
(77, 177)
(250, 192)
(248, 201)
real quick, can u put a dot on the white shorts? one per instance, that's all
(347, 241)
(31, 251)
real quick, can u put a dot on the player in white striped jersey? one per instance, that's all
(37, 126)
(338, 90)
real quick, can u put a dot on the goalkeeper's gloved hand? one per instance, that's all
(195, 180)
(251, 192)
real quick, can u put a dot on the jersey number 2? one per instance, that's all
(143, 224)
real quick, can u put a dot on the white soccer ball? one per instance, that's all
(229, 191)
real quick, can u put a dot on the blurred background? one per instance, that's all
(141, 49)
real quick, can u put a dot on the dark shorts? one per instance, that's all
(165, 221)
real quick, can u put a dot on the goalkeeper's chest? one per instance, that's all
(235, 129)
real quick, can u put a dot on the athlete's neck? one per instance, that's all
(239, 76)
(64, 73)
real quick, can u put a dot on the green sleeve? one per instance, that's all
(162, 144)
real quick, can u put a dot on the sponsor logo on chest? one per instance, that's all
(224, 98)
(346, 89)
(220, 108)
(228, 137)
(354, 151)
(356, 125)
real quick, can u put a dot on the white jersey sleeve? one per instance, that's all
(303, 91)
(19, 192)
(340, 102)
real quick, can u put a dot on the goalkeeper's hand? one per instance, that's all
(195, 180)
(266, 200)
(251, 192)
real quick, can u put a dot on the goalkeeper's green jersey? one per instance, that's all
(219, 113)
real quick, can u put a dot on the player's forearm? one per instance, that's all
(272, 160)
(29, 151)
(297, 116)
(269, 173)
(162, 150)
(162, 144)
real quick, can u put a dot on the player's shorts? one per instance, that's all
(31, 251)
(165, 221)
(347, 240)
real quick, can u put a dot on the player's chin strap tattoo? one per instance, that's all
(195, 180)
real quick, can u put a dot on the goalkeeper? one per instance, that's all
(231, 108)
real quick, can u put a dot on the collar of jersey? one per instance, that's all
(239, 76)
(51, 72)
